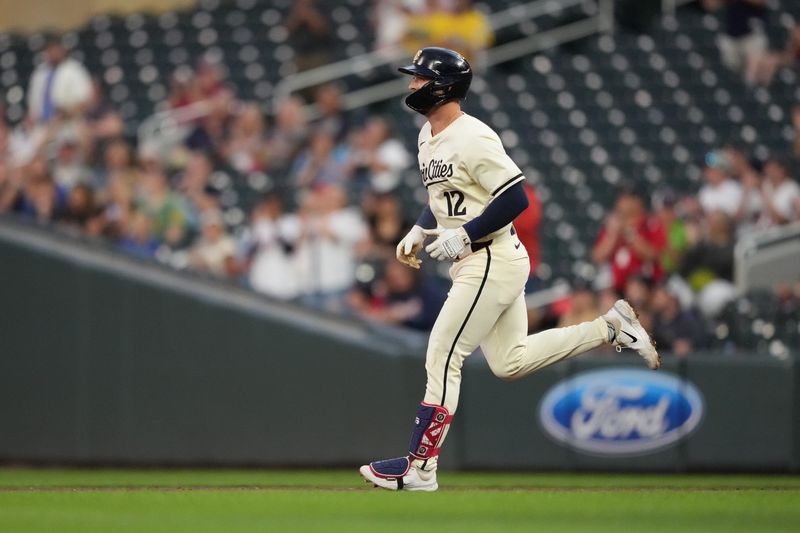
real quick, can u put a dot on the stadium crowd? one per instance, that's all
(324, 232)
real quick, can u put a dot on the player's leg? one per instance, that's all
(512, 353)
(478, 295)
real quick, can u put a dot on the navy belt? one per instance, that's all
(480, 245)
(485, 244)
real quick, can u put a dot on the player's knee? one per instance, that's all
(509, 372)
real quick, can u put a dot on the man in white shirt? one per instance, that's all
(58, 86)
(721, 192)
(780, 195)
(328, 234)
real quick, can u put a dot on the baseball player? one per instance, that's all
(475, 192)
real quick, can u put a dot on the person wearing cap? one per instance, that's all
(720, 192)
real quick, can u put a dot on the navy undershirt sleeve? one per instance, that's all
(426, 219)
(502, 211)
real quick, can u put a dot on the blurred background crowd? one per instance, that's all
(324, 224)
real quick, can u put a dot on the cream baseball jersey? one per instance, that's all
(464, 167)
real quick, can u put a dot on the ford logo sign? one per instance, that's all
(621, 411)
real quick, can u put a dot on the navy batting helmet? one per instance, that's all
(449, 74)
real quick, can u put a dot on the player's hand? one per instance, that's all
(409, 245)
(450, 244)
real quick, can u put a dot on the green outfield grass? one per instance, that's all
(259, 500)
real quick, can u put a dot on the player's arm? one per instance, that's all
(499, 213)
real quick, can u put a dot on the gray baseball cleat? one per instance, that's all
(631, 334)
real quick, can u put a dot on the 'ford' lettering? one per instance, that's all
(621, 411)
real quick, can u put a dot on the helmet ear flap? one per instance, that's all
(433, 94)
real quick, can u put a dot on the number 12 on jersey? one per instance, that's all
(455, 203)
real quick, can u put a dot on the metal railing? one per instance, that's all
(764, 258)
(166, 124)
(372, 60)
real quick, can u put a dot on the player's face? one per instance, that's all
(417, 82)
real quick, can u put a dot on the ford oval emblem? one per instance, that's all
(621, 411)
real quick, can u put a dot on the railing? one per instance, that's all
(166, 123)
(603, 21)
(765, 258)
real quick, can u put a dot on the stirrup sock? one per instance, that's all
(429, 428)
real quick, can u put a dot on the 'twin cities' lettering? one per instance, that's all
(436, 169)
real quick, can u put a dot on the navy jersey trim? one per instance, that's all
(506, 184)
(464, 324)
(435, 182)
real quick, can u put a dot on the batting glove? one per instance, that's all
(409, 245)
(450, 244)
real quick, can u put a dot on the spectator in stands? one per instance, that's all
(330, 232)
(117, 202)
(581, 307)
(780, 194)
(323, 162)
(193, 184)
(60, 87)
(720, 191)
(796, 126)
(708, 265)
(115, 163)
(333, 119)
(665, 203)
(637, 291)
(743, 36)
(214, 248)
(310, 35)
(25, 142)
(401, 297)
(383, 214)
(674, 329)
(751, 205)
(273, 235)
(527, 228)
(762, 67)
(168, 210)
(246, 149)
(80, 210)
(137, 236)
(5, 140)
(212, 129)
(102, 120)
(631, 241)
(42, 198)
(183, 88)
(452, 24)
(10, 188)
(390, 20)
(69, 168)
(288, 136)
(712, 257)
(377, 159)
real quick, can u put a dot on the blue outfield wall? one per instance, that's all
(111, 361)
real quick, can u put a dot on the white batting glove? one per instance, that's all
(409, 245)
(450, 244)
